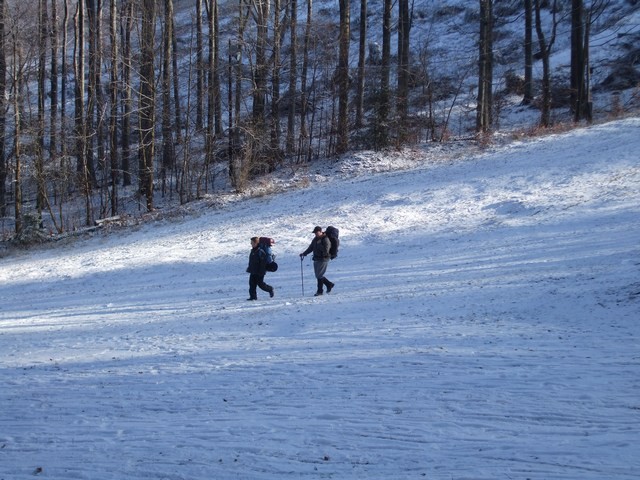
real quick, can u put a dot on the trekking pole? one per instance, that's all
(302, 274)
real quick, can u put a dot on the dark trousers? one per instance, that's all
(255, 281)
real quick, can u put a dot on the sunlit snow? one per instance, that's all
(484, 325)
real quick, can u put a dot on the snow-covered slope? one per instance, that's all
(484, 325)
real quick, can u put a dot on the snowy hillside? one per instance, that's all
(484, 325)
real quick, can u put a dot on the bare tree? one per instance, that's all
(127, 90)
(581, 22)
(199, 66)
(64, 77)
(215, 85)
(275, 85)
(209, 130)
(545, 52)
(577, 58)
(114, 92)
(528, 53)
(485, 68)
(236, 169)
(343, 77)
(3, 110)
(17, 80)
(361, 64)
(176, 87)
(261, 16)
(304, 139)
(93, 118)
(404, 30)
(80, 127)
(293, 75)
(42, 59)
(78, 73)
(168, 151)
(53, 84)
(381, 126)
(147, 102)
(214, 120)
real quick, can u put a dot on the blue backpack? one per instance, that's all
(265, 244)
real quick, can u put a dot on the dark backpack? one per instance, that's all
(265, 244)
(334, 237)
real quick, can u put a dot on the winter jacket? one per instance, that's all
(320, 247)
(257, 261)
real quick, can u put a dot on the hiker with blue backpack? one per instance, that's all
(259, 264)
(321, 247)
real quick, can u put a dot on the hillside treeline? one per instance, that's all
(108, 105)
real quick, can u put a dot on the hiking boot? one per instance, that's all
(272, 293)
(329, 285)
(250, 299)
(318, 293)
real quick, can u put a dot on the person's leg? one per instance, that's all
(253, 283)
(264, 286)
(329, 284)
(319, 269)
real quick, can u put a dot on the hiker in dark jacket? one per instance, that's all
(320, 246)
(257, 269)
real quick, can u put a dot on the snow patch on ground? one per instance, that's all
(483, 325)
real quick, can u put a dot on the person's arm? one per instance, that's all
(307, 251)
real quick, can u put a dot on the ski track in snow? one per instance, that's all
(484, 325)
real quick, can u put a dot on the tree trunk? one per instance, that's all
(168, 153)
(127, 102)
(293, 77)
(92, 115)
(404, 30)
(545, 51)
(343, 78)
(576, 55)
(53, 83)
(42, 60)
(586, 94)
(216, 70)
(361, 64)
(63, 79)
(485, 68)
(100, 127)
(260, 67)
(176, 88)
(578, 90)
(199, 67)
(114, 91)
(147, 101)
(78, 71)
(383, 102)
(213, 91)
(3, 113)
(17, 82)
(79, 114)
(235, 169)
(275, 87)
(304, 141)
(528, 53)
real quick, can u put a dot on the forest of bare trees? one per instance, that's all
(109, 103)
